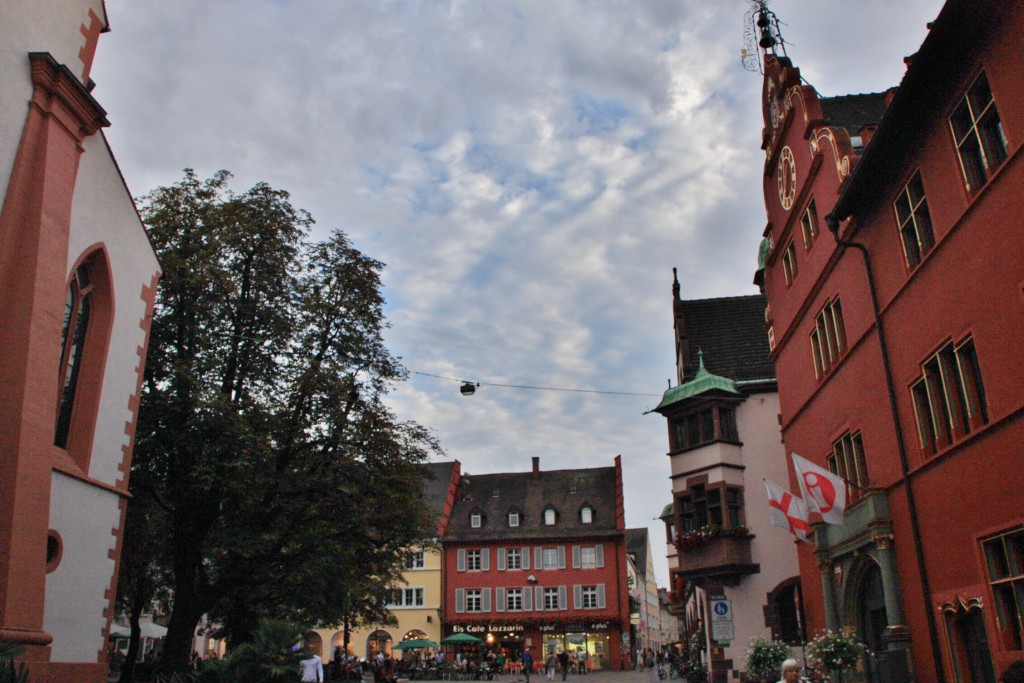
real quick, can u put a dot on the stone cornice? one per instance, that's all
(60, 94)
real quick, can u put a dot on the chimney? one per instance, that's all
(536, 465)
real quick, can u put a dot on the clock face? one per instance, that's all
(787, 178)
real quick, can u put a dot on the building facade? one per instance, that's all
(647, 630)
(895, 342)
(537, 560)
(78, 281)
(724, 441)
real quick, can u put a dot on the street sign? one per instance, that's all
(721, 619)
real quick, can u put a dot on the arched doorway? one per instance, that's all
(414, 634)
(378, 641)
(314, 643)
(337, 640)
(784, 613)
(865, 611)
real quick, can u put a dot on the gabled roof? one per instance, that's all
(731, 333)
(637, 545)
(853, 112)
(437, 478)
(530, 493)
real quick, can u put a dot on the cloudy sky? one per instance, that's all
(529, 170)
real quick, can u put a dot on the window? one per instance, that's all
(809, 225)
(587, 515)
(588, 557)
(473, 560)
(847, 461)
(828, 340)
(549, 558)
(915, 222)
(407, 597)
(589, 597)
(700, 428)
(476, 520)
(949, 399)
(474, 600)
(77, 309)
(549, 516)
(513, 518)
(514, 599)
(789, 263)
(978, 133)
(550, 598)
(1004, 557)
(703, 506)
(416, 560)
(513, 558)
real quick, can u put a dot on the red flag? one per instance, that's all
(786, 511)
(824, 492)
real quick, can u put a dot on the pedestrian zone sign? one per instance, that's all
(721, 619)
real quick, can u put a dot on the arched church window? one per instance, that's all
(77, 310)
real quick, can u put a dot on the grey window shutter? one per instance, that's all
(539, 594)
(538, 557)
(528, 599)
(575, 557)
(485, 559)
(501, 559)
(561, 557)
(460, 599)
(562, 599)
(525, 556)
(499, 599)
(486, 595)
(600, 595)
(460, 561)
(577, 596)
(599, 551)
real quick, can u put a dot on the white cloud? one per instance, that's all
(529, 171)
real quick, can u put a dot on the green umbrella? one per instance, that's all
(414, 643)
(459, 638)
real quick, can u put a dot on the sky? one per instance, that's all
(530, 171)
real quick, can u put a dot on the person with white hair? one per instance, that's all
(790, 671)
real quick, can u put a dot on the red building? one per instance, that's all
(897, 342)
(538, 560)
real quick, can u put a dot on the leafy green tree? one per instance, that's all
(284, 480)
(272, 656)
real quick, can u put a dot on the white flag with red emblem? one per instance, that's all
(824, 492)
(786, 511)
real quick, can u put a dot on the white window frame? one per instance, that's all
(514, 599)
(474, 600)
(589, 597)
(549, 558)
(587, 515)
(550, 517)
(474, 560)
(588, 557)
(476, 520)
(407, 597)
(513, 518)
(417, 560)
(550, 599)
(514, 558)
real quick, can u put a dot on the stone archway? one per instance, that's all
(864, 609)
(314, 643)
(378, 641)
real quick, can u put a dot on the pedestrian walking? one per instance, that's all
(550, 665)
(563, 660)
(528, 664)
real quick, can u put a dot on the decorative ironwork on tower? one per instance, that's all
(760, 32)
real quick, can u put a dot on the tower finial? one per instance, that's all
(761, 32)
(675, 283)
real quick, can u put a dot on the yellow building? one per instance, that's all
(416, 604)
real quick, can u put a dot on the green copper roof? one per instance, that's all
(668, 512)
(702, 382)
(762, 252)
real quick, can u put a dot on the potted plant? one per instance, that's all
(835, 651)
(765, 657)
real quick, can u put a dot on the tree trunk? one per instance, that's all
(135, 636)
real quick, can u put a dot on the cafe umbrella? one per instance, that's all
(461, 639)
(415, 643)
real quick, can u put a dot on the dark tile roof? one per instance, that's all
(636, 545)
(731, 333)
(494, 495)
(853, 112)
(437, 477)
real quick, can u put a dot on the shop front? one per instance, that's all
(598, 639)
